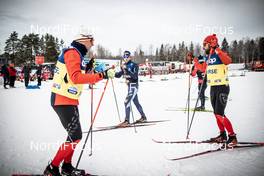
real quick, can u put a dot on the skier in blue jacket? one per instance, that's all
(130, 71)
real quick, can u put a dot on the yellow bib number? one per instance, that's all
(63, 85)
(217, 75)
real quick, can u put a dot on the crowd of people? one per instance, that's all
(10, 75)
(8, 72)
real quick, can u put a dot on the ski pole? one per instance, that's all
(188, 99)
(199, 93)
(133, 117)
(91, 70)
(117, 108)
(189, 92)
(91, 152)
(90, 129)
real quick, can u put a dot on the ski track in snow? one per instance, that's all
(31, 131)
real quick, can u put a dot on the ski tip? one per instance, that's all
(156, 141)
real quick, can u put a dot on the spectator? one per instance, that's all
(26, 70)
(39, 74)
(12, 75)
(5, 73)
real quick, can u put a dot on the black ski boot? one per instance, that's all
(141, 120)
(232, 140)
(51, 171)
(68, 170)
(200, 108)
(220, 138)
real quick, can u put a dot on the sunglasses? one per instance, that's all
(85, 39)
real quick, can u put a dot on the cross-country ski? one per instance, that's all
(220, 149)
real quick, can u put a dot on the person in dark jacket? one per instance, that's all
(39, 74)
(26, 71)
(12, 75)
(130, 71)
(5, 73)
(199, 69)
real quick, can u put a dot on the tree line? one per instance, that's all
(245, 50)
(23, 50)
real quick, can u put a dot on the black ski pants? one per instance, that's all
(219, 97)
(69, 117)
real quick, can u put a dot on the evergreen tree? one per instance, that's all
(234, 52)
(30, 46)
(34, 40)
(26, 51)
(42, 47)
(246, 50)
(255, 50)
(191, 49)
(51, 53)
(251, 50)
(57, 43)
(161, 53)
(261, 48)
(182, 52)
(240, 51)
(157, 54)
(12, 46)
(225, 46)
(174, 53)
(169, 54)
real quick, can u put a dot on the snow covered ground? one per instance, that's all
(31, 131)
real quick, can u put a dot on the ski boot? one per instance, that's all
(51, 171)
(220, 138)
(68, 170)
(200, 108)
(232, 140)
(141, 120)
(123, 124)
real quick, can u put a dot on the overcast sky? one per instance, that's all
(126, 24)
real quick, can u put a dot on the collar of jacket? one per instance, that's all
(129, 62)
(80, 47)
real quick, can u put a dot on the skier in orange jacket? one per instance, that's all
(217, 78)
(68, 80)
